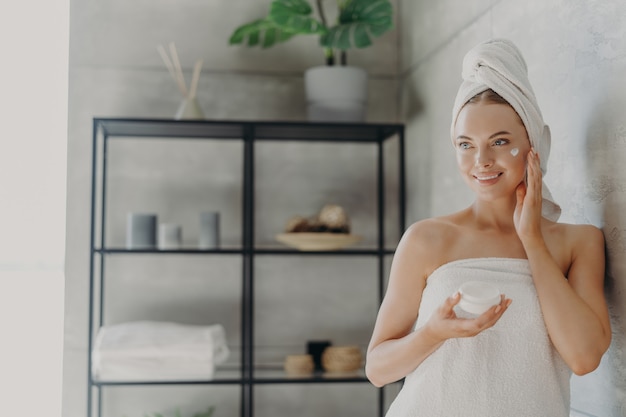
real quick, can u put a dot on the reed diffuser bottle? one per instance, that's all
(189, 107)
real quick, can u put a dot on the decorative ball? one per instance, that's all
(297, 224)
(299, 364)
(334, 218)
(342, 358)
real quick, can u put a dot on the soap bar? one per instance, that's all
(478, 297)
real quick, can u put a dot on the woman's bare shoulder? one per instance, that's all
(576, 234)
(429, 241)
(422, 249)
(574, 241)
(432, 230)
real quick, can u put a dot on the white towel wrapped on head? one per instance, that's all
(157, 351)
(498, 64)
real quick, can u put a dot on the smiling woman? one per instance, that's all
(550, 319)
(32, 182)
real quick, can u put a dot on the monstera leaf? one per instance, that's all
(295, 16)
(359, 21)
(262, 32)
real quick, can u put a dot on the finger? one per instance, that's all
(446, 309)
(538, 175)
(537, 165)
(492, 315)
(453, 300)
(534, 176)
(504, 304)
(537, 157)
(528, 175)
(520, 193)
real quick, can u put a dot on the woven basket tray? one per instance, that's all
(299, 364)
(342, 359)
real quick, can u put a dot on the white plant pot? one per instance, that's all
(336, 94)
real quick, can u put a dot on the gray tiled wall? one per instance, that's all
(576, 53)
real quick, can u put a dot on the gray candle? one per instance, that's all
(209, 237)
(141, 231)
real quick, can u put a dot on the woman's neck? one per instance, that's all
(493, 215)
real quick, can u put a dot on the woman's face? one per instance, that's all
(491, 148)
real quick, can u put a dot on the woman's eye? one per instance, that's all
(500, 142)
(464, 145)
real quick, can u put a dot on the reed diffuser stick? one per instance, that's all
(179, 70)
(193, 88)
(169, 66)
(170, 69)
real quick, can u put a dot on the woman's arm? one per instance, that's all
(573, 307)
(395, 349)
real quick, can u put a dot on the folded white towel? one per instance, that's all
(511, 369)
(149, 350)
(498, 64)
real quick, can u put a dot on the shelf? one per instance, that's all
(281, 377)
(259, 251)
(167, 128)
(292, 131)
(216, 381)
(264, 376)
(342, 252)
(229, 375)
(183, 251)
(374, 252)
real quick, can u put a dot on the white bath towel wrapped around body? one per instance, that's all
(511, 369)
(158, 351)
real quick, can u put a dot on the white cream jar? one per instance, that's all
(478, 297)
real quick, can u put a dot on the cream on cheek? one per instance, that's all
(515, 152)
(521, 164)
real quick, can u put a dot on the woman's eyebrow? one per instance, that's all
(502, 132)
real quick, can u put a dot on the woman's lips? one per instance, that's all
(487, 178)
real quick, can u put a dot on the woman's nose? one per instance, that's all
(484, 158)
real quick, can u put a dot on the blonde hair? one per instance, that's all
(488, 96)
(491, 97)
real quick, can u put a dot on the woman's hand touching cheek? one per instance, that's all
(527, 215)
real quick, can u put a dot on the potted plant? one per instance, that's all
(335, 91)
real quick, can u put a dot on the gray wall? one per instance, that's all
(576, 53)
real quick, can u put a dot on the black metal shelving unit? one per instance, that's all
(250, 133)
